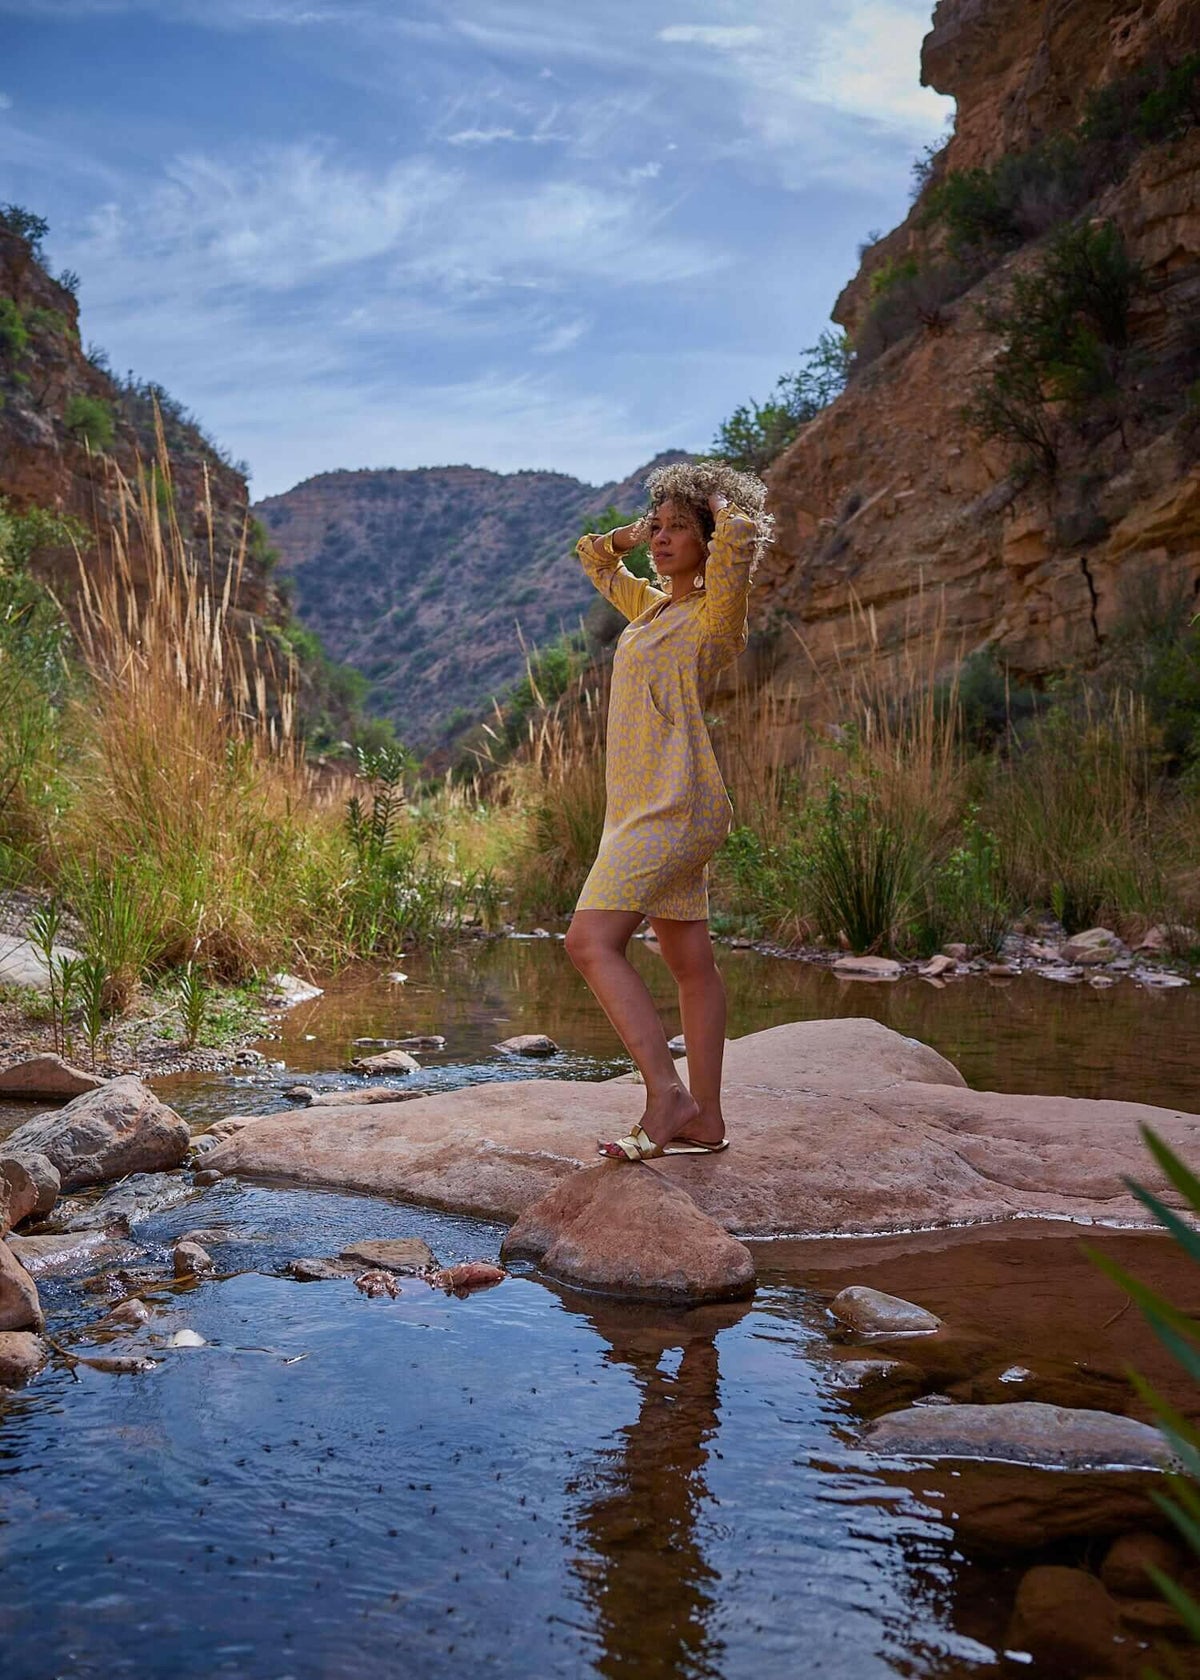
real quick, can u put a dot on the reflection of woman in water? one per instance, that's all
(667, 809)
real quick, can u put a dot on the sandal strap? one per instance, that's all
(637, 1145)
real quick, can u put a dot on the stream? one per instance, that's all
(534, 1481)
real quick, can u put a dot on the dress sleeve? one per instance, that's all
(727, 579)
(630, 595)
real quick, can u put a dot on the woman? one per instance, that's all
(667, 809)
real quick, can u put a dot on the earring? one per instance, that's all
(698, 581)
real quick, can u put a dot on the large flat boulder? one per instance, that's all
(835, 1126)
(631, 1234)
(46, 1076)
(105, 1134)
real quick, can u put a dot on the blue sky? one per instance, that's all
(516, 233)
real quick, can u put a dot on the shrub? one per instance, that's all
(90, 420)
(911, 296)
(33, 229)
(14, 334)
(756, 433)
(861, 867)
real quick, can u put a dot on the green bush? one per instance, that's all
(33, 229)
(1155, 653)
(756, 433)
(913, 296)
(861, 868)
(90, 420)
(14, 334)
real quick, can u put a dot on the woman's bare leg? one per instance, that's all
(596, 942)
(688, 953)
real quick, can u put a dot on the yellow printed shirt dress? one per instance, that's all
(667, 810)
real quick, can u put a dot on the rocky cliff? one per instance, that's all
(430, 581)
(902, 533)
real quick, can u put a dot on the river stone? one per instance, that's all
(56, 1253)
(118, 1129)
(46, 1076)
(28, 1186)
(22, 964)
(1066, 1620)
(388, 1061)
(855, 1375)
(22, 1355)
(1097, 945)
(19, 1305)
(287, 990)
(527, 1044)
(393, 1254)
(120, 1208)
(937, 966)
(869, 968)
(1124, 1570)
(836, 1126)
(318, 1270)
(877, 1314)
(626, 1230)
(190, 1260)
(1021, 1432)
(364, 1097)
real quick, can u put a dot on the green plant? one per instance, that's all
(861, 868)
(756, 432)
(14, 335)
(93, 994)
(193, 1002)
(1179, 1334)
(121, 913)
(44, 927)
(969, 890)
(90, 421)
(33, 229)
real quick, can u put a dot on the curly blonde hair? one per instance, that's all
(691, 483)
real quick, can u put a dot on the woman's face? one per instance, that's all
(676, 546)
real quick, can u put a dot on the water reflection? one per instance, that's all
(643, 1500)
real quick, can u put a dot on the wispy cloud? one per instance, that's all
(721, 36)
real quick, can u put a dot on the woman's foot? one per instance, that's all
(708, 1127)
(669, 1114)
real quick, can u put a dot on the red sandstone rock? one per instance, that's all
(120, 1128)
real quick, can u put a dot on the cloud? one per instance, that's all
(722, 37)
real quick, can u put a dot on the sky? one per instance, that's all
(553, 234)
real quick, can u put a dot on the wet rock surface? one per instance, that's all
(1022, 1432)
(104, 1134)
(627, 1231)
(19, 1305)
(120, 1208)
(528, 1044)
(387, 1061)
(22, 1355)
(1066, 1619)
(873, 1312)
(394, 1254)
(46, 1076)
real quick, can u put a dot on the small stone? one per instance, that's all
(287, 990)
(187, 1339)
(877, 1314)
(676, 1046)
(133, 1312)
(22, 1355)
(388, 1061)
(392, 1254)
(301, 1094)
(1097, 945)
(958, 951)
(528, 1044)
(318, 1270)
(1125, 1566)
(943, 963)
(46, 1076)
(1068, 976)
(1065, 1619)
(191, 1260)
(361, 1096)
(209, 1175)
(868, 968)
(468, 1276)
(1000, 970)
(1101, 982)
(1016, 1374)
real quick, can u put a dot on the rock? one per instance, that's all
(1000, 971)
(1160, 977)
(22, 1355)
(120, 1208)
(869, 968)
(1172, 936)
(943, 963)
(321, 1271)
(187, 1339)
(362, 1096)
(22, 964)
(857, 1375)
(1067, 976)
(958, 952)
(56, 1253)
(377, 1282)
(1124, 1570)
(1021, 1432)
(626, 1230)
(877, 1314)
(127, 1314)
(468, 1276)
(1097, 945)
(208, 1176)
(29, 1185)
(676, 1045)
(287, 990)
(46, 1076)
(104, 1134)
(1065, 1619)
(190, 1260)
(19, 1305)
(528, 1044)
(300, 1094)
(388, 1061)
(392, 1254)
(840, 1126)
(208, 1236)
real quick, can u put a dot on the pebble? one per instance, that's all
(190, 1260)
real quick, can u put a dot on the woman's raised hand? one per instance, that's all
(626, 537)
(716, 502)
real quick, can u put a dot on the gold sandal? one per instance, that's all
(638, 1145)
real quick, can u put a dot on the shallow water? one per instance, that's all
(535, 1481)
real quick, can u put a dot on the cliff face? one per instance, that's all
(428, 580)
(895, 521)
(54, 399)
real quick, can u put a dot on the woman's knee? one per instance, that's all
(583, 945)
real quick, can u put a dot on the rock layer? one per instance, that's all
(836, 1126)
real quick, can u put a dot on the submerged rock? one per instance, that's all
(877, 1314)
(393, 1254)
(22, 1355)
(120, 1208)
(468, 1276)
(1131, 1556)
(527, 1044)
(1066, 1620)
(626, 1230)
(869, 968)
(1021, 1432)
(388, 1061)
(104, 1134)
(46, 1076)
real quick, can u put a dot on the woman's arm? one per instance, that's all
(601, 557)
(727, 576)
